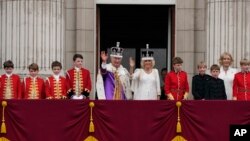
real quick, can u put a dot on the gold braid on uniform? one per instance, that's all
(33, 90)
(8, 88)
(57, 89)
(78, 82)
(118, 86)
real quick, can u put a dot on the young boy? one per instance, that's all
(215, 88)
(55, 85)
(10, 85)
(33, 86)
(176, 83)
(241, 83)
(78, 79)
(199, 82)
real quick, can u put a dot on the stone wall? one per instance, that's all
(32, 31)
(228, 29)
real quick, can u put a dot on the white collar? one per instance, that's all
(120, 69)
(34, 78)
(110, 67)
(77, 69)
(8, 75)
(56, 77)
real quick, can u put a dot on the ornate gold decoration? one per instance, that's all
(91, 125)
(3, 126)
(90, 138)
(78, 82)
(118, 86)
(8, 88)
(178, 126)
(58, 89)
(3, 139)
(33, 90)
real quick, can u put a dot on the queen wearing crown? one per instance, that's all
(146, 80)
(113, 81)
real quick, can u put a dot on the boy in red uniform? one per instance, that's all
(78, 79)
(10, 85)
(176, 83)
(55, 85)
(241, 83)
(33, 86)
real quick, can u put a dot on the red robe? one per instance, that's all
(176, 84)
(11, 90)
(55, 89)
(241, 86)
(84, 79)
(33, 90)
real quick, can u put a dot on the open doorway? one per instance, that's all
(134, 26)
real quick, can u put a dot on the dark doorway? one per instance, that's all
(134, 26)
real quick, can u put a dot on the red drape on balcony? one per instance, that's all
(68, 120)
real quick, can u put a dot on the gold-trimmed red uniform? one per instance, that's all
(78, 81)
(55, 89)
(176, 84)
(33, 88)
(10, 87)
(241, 86)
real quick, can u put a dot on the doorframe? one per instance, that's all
(139, 2)
(172, 34)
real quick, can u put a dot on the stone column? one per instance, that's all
(185, 34)
(228, 29)
(85, 39)
(185, 10)
(70, 32)
(32, 31)
(200, 32)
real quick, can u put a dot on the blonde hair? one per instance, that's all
(143, 61)
(202, 63)
(225, 54)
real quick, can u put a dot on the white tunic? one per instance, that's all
(228, 78)
(146, 86)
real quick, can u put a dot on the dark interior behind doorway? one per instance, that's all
(134, 26)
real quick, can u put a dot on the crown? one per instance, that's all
(116, 51)
(147, 54)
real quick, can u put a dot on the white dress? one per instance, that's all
(228, 80)
(146, 86)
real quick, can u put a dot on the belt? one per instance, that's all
(177, 90)
(243, 90)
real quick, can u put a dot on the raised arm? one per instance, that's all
(104, 57)
(131, 65)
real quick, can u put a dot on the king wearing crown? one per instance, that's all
(114, 82)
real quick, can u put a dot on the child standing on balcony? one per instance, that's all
(55, 85)
(33, 85)
(176, 83)
(78, 79)
(199, 82)
(10, 85)
(215, 88)
(241, 83)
